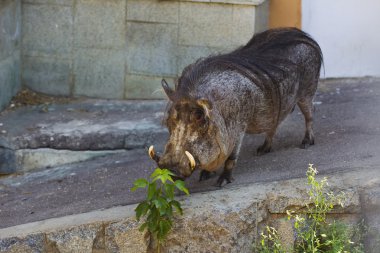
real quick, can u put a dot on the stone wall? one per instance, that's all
(123, 48)
(10, 30)
(227, 220)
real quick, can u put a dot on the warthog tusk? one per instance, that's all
(152, 154)
(191, 159)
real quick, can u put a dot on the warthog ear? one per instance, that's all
(168, 91)
(206, 106)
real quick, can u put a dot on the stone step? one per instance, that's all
(40, 136)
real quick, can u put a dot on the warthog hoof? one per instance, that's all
(225, 176)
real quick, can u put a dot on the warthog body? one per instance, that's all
(218, 99)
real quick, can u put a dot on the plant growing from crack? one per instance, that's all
(314, 232)
(159, 206)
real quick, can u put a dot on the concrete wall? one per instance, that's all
(347, 31)
(10, 30)
(123, 48)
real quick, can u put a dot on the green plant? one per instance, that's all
(314, 232)
(270, 242)
(159, 206)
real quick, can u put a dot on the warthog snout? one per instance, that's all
(182, 165)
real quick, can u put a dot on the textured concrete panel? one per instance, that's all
(204, 24)
(262, 17)
(47, 29)
(100, 24)
(47, 74)
(243, 24)
(10, 30)
(10, 27)
(9, 78)
(151, 48)
(144, 87)
(58, 2)
(152, 11)
(189, 54)
(99, 73)
(244, 2)
(216, 25)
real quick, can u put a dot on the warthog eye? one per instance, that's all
(197, 115)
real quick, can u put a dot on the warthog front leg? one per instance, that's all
(227, 172)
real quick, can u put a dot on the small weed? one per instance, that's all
(159, 205)
(270, 242)
(314, 233)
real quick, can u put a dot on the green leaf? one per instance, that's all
(169, 211)
(139, 183)
(164, 228)
(176, 205)
(152, 189)
(163, 175)
(143, 226)
(169, 172)
(157, 172)
(161, 205)
(153, 219)
(181, 186)
(169, 190)
(167, 175)
(141, 209)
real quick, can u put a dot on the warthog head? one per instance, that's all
(195, 141)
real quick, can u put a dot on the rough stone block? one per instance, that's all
(9, 78)
(100, 24)
(152, 11)
(76, 240)
(151, 48)
(49, 75)
(30, 243)
(144, 87)
(99, 73)
(47, 29)
(10, 27)
(125, 237)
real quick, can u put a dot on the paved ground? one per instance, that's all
(347, 131)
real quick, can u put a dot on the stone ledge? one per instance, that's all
(228, 218)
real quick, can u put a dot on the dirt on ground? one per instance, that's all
(28, 97)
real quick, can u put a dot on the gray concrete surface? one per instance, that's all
(10, 36)
(347, 131)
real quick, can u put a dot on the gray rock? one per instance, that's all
(34, 243)
(7, 161)
(75, 240)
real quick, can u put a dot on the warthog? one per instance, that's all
(218, 99)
